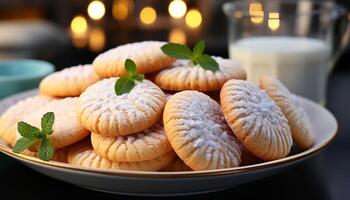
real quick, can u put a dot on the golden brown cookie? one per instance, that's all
(60, 155)
(183, 75)
(103, 112)
(146, 145)
(83, 155)
(256, 120)
(197, 131)
(302, 130)
(9, 119)
(147, 55)
(70, 82)
(176, 165)
(67, 129)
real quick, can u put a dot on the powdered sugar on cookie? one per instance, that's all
(196, 129)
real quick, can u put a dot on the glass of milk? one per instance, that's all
(296, 41)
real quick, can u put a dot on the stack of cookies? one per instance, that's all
(170, 121)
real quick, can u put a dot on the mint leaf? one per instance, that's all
(45, 150)
(208, 63)
(27, 131)
(130, 66)
(126, 83)
(199, 48)
(140, 77)
(123, 85)
(22, 144)
(178, 51)
(47, 123)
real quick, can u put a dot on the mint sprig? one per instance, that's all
(31, 135)
(197, 56)
(126, 83)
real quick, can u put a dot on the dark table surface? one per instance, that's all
(325, 176)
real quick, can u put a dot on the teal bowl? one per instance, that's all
(20, 75)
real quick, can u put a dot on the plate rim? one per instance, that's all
(187, 174)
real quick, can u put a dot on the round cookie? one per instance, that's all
(70, 82)
(9, 119)
(196, 129)
(183, 75)
(59, 156)
(83, 155)
(302, 130)
(103, 112)
(177, 165)
(67, 129)
(146, 145)
(256, 120)
(147, 55)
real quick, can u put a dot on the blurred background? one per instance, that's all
(71, 32)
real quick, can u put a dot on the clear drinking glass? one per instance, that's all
(296, 41)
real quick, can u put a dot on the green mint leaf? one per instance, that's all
(27, 131)
(22, 144)
(208, 63)
(199, 48)
(140, 77)
(178, 51)
(47, 123)
(130, 66)
(45, 150)
(123, 85)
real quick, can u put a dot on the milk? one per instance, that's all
(300, 63)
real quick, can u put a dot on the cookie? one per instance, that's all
(9, 119)
(83, 155)
(59, 156)
(67, 129)
(146, 145)
(302, 130)
(177, 165)
(196, 129)
(147, 55)
(256, 120)
(103, 112)
(183, 75)
(70, 82)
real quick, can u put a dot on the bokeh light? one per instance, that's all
(177, 36)
(96, 10)
(274, 20)
(193, 18)
(121, 9)
(79, 24)
(97, 39)
(177, 8)
(256, 13)
(148, 15)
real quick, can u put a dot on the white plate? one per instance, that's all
(178, 183)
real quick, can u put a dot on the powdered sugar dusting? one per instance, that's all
(256, 119)
(202, 126)
(124, 114)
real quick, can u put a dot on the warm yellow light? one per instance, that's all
(177, 36)
(121, 9)
(78, 24)
(256, 13)
(96, 10)
(274, 21)
(177, 8)
(97, 39)
(193, 18)
(148, 15)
